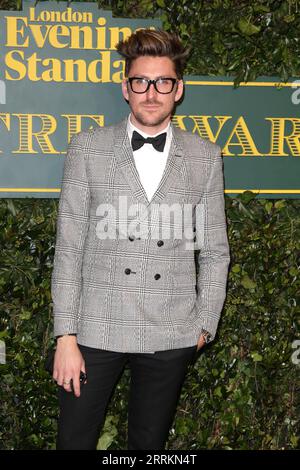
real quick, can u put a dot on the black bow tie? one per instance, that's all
(158, 142)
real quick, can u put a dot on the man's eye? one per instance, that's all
(140, 81)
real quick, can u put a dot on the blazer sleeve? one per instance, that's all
(214, 255)
(72, 226)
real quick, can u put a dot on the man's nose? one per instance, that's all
(151, 91)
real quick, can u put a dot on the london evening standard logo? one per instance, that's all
(156, 221)
(27, 35)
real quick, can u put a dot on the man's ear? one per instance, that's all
(179, 91)
(125, 89)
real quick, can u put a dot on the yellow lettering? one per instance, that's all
(101, 33)
(37, 34)
(14, 64)
(115, 35)
(178, 121)
(75, 122)
(57, 70)
(117, 77)
(278, 137)
(42, 137)
(53, 74)
(86, 32)
(55, 32)
(202, 126)
(13, 32)
(5, 118)
(104, 64)
(33, 61)
(244, 140)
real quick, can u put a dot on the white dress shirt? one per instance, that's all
(150, 163)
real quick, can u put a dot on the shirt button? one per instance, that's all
(131, 238)
(127, 271)
(160, 243)
(157, 276)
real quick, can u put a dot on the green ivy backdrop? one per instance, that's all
(243, 391)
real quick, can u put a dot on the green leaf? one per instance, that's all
(256, 357)
(26, 315)
(236, 268)
(280, 204)
(289, 18)
(247, 28)
(247, 196)
(218, 392)
(4, 334)
(247, 283)
(261, 8)
(105, 440)
(294, 441)
(109, 433)
(269, 207)
(293, 271)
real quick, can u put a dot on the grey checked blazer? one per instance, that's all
(137, 292)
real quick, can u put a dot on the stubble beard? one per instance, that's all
(149, 121)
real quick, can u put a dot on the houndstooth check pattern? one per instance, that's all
(138, 312)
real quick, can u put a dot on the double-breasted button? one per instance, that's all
(132, 238)
(160, 243)
(127, 271)
(157, 276)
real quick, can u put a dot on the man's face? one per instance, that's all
(151, 111)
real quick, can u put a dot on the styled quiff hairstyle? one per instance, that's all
(155, 43)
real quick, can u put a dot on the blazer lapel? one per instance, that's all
(125, 159)
(172, 168)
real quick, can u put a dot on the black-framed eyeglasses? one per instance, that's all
(162, 85)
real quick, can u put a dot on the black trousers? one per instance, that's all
(156, 382)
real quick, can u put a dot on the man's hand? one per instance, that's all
(68, 362)
(201, 342)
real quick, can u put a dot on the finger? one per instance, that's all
(76, 385)
(61, 382)
(67, 385)
(200, 345)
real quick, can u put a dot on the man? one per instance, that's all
(125, 286)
